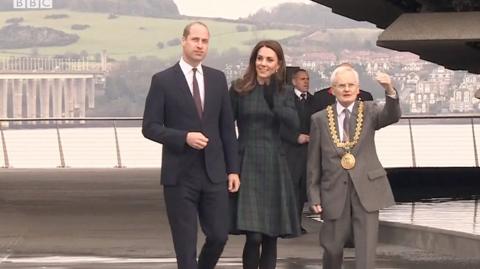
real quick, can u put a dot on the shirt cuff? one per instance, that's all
(394, 95)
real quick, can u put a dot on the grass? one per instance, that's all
(128, 36)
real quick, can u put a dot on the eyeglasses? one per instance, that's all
(345, 86)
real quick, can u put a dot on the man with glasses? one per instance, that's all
(346, 182)
(325, 97)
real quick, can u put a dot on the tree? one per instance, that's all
(174, 42)
(14, 20)
(242, 28)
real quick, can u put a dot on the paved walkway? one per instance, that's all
(114, 218)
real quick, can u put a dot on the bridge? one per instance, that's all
(61, 87)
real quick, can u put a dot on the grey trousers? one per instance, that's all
(334, 234)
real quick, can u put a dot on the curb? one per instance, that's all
(459, 244)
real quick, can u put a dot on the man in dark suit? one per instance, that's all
(188, 111)
(346, 182)
(325, 97)
(296, 141)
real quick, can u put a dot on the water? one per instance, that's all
(461, 216)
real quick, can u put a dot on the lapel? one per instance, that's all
(298, 104)
(309, 104)
(353, 119)
(353, 124)
(184, 91)
(340, 151)
(207, 80)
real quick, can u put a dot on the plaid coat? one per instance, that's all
(266, 199)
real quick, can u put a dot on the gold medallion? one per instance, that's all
(333, 130)
(348, 161)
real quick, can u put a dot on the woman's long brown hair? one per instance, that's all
(249, 80)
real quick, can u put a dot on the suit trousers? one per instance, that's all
(301, 192)
(195, 196)
(334, 234)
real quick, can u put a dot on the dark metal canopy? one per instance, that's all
(446, 32)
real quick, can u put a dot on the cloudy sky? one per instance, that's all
(231, 9)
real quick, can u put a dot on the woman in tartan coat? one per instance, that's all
(266, 205)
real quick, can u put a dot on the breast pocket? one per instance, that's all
(377, 174)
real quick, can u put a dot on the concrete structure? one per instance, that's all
(60, 87)
(443, 32)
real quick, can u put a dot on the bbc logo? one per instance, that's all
(33, 4)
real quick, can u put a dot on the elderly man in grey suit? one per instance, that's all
(345, 181)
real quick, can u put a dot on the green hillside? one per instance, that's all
(128, 36)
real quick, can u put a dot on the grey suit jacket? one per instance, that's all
(327, 180)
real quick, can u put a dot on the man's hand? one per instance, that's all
(317, 208)
(303, 139)
(386, 82)
(233, 182)
(197, 140)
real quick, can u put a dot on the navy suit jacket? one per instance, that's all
(170, 114)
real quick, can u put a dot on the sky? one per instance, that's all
(231, 9)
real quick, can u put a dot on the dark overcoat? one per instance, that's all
(297, 153)
(266, 200)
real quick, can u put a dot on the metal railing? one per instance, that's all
(470, 118)
(71, 122)
(411, 144)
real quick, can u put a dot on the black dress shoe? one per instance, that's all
(303, 230)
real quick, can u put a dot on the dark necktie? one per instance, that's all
(346, 125)
(303, 113)
(196, 93)
(303, 97)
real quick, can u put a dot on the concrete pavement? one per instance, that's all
(114, 218)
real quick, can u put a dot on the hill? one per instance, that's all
(307, 15)
(17, 36)
(127, 36)
(147, 8)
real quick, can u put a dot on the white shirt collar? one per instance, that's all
(340, 108)
(187, 68)
(297, 93)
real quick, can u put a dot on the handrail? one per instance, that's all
(61, 122)
(4, 148)
(408, 117)
(474, 143)
(412, 144)
(72, 118)
(60, 148)
(435, 117)
(56, 121)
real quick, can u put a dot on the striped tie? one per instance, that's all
(346, 125)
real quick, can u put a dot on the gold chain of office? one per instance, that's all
(348, 159)
(333, 130)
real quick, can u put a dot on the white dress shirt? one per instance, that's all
(298, 93)
(188, 73)
(341, 117)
